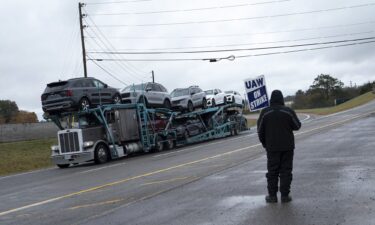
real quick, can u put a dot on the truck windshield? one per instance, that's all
(137, 87)
(180, 92)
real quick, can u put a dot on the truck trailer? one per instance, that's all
(113, 131)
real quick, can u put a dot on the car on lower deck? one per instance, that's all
(215, 97)
(150, 94)
(77, 94)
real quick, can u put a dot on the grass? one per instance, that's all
(24, 156)
(251, 122)
(360, 100)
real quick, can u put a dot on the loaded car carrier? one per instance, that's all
(113, 131)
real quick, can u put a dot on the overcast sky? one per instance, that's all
(39, 43)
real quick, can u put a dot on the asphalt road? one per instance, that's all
(217, 182)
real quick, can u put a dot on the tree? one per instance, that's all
(8, 109)
(326, 85)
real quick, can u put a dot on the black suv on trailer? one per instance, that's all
(77, 93)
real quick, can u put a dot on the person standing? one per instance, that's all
(275, 125)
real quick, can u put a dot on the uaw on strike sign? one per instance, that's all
(256, 93)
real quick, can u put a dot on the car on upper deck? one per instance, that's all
(150, 94)
(187, 99)
(215, 97)
(77, 94)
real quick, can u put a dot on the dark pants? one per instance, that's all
(279, 164)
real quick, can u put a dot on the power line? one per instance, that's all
(240, 19)
(109, 73)
(244, 34)
(233, 50)
(128, 65)
(124, 66)
(245, 56)
(189, 10)
(117, 2)
(247, 44)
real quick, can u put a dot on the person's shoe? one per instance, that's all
(271, 199)
(285, 199)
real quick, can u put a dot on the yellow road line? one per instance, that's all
(165, 181)
(96, 204)
(159, 171)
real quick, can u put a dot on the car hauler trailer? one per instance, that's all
(113, 131)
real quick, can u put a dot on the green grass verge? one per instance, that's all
(251, 122)
(24, 156)
(360, 100)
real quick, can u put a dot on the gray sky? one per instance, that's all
(40, 43)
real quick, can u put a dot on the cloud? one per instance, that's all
(40, 44)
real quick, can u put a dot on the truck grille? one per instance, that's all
(125, 95)
(69, 142)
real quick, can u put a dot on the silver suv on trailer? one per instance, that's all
(151, 94)
(188, 98)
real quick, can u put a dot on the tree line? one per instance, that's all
(328, 91)
(9, 113)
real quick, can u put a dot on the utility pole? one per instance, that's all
(153, 76)
(81, 26)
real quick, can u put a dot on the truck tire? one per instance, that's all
(213, 103)
(170, 144)
(101, 154)
(63, 166)
(159, 144)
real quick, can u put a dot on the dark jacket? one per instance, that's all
(276, 124)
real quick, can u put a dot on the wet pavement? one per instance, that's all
(216, 182)
(334, 178)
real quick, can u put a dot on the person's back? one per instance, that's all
(275, 130)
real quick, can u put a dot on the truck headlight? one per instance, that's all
(55, 149)
(88, 144)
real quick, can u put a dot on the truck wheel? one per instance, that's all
(170, 144)
(236, 130)
(159, 145)
(101, 154)
(225, 100)
(190, 107)
(63, 166)
(213, 103)
(84, 104)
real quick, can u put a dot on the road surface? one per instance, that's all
(217, 182)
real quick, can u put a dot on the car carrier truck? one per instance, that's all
(112, 131)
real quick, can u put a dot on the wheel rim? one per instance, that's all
(102, 154)
(117, 99)
(85, 105)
